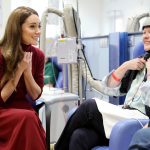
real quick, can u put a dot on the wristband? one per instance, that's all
(115, 77)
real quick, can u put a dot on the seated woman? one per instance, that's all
(21, 82)
(92, 122)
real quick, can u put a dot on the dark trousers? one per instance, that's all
(84, 130)
(141, 140)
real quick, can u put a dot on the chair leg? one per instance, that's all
(48, 120)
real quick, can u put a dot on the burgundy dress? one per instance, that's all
(20, 127)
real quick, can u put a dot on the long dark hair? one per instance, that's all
(10, 44)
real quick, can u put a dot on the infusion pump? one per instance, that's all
(65, 49)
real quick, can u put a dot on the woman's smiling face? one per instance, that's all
(146, 38)
(31, 30)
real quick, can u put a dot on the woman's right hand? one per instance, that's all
(135, 64)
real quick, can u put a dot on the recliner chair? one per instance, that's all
(59, 83)
(121, 133)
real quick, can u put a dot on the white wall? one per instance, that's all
(9, 5)
(40, 5)
(126, 8)
(90, 14)
(5, 10)
(97, 16)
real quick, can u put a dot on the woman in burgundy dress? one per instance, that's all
(21, 82)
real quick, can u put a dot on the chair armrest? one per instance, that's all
(122, 133)
(38, 104)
